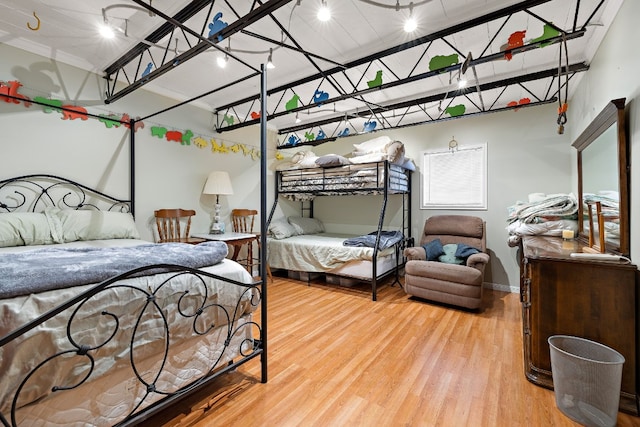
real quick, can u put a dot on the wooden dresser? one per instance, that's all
(596, 300)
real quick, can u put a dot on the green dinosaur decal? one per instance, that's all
(548, 33)
(442, 61)
(456, 110)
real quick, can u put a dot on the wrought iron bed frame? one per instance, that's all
(34, 193)
(332, 182)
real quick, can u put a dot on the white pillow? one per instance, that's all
(306, 225)
(281, 229)
(375, 145)
(367, 158)
(24, 228)
(94, 225)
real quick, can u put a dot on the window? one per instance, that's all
(455, 179)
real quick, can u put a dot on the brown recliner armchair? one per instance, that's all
(434, 273)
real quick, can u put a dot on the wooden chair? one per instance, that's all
(174, 225)
(242, 221)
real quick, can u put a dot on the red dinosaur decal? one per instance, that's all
(12, 90)
(72, 112)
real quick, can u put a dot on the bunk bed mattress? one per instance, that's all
(366, 176)
(325, 253)
(113, 390)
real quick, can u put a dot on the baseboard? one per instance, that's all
(503, 288)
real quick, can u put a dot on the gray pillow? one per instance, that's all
(306, 225)
(281, 229)
(331, 160)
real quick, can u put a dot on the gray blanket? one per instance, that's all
(387, 239)
(41, 270)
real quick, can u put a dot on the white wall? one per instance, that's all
(613, 74)
(167, 173)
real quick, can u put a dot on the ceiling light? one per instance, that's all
(462, 83)
(410, 25)
(298, 118)
(222, 60)
(106, 31)
(324, 13)
(270, 60)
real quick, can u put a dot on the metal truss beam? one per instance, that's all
(399, 82)
(507, 11)
(548, 98)
(205, 43)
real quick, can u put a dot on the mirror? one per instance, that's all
(603, 180)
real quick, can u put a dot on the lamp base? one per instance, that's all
(217, 228)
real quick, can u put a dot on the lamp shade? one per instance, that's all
(218, 183)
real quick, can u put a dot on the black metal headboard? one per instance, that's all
(34, 193)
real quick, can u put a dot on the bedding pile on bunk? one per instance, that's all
(542, 214)
(371, 166)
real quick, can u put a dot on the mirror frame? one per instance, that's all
(612, 114)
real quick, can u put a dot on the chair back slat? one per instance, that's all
(170, 224)
(243, 220)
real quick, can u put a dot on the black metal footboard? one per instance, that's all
(131, 345)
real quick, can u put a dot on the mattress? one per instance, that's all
(325, 253)
(179, 316)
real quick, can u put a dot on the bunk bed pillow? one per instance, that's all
(304, 225)
(395, 152)
(77, 225)
(331, 160)
(281, 229)
(304, 159)
(375, 145)
(24, 229)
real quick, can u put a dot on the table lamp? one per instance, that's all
(218, 183)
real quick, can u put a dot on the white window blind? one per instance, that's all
(455, 179)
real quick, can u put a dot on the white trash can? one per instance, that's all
(586, 380)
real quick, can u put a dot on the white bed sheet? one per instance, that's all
(322, 253)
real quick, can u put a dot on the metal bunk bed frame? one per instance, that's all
(383, 190)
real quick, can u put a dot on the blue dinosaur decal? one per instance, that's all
(370, 125)
(293, 140)
(217, 25)
(147, 70)
(319, 97)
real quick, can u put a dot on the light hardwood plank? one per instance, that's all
(336, 358)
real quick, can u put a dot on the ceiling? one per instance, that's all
(320, 84)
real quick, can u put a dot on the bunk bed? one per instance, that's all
(99, 325)
(300, 245)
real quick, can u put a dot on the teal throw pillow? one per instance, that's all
(449, 255)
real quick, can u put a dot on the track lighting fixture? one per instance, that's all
(270, 60)
(298, 118)
(324, 13)
(222, 60)
(107, 29)
(410, 25)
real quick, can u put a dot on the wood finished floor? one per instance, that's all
(336, 358)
